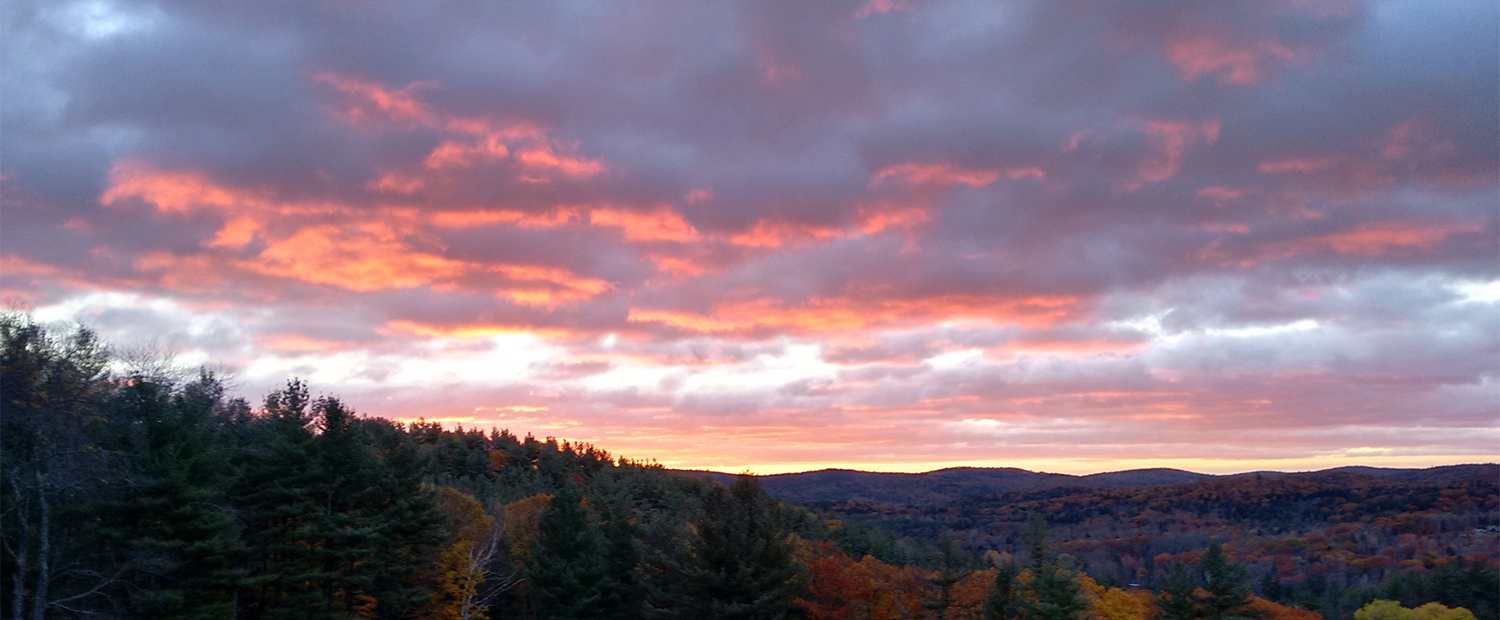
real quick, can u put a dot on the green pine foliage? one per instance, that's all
(1000, 600)
(1052, 593)
(738, 563)
(174, 527)
(567, 567)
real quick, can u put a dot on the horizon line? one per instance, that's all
(1098, 473)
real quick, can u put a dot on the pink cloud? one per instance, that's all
(1301, 165)
(370, 102)
(886, 234)
(1197, 55)
(660, 225)
(935, 174)
(1172, 138)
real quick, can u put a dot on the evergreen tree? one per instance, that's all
(279, 493)
(566, 568)
(343, 534)
(953, 566)
(1052, 593)
(1228, 597)
(1000, 600)
(621, 594)
(1223, 595)
(1179, 598)
(740, 560)
(407, 523)
(174, 525)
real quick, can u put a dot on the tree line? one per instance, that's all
(133, 492)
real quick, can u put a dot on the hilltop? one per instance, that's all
(946, 485)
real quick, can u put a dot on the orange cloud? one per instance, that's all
(429, 330)
(465, 219)
(872, 221)
(661, 225)
(1068, 348)
(367, 258)
(775, 234)
(369, 251)
(363, 255)
(12, 264)
(236, 233)
(177, 192)
(396, 182)
(170, 192)
(297, 343)
(677, 266)
(559, 285)
(457, 154)
(193, 273)
(844, 314)
(936, 174)
(367, 100)
(542, 156)
(1378, 238)
(1364, 240)
(475, 141)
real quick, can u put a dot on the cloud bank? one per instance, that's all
(1075, 235)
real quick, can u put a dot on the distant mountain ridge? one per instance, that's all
(952, 483)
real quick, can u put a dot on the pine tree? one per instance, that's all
(1052, 593)
(407, 525)
(621, 594)
(280, 492)
(1000, 601)
(953, 566)
(1228, 596)
(1179, 598)
(739, 564)
(566, 568)
(1224, 593)
(174, 524)
(344, 533)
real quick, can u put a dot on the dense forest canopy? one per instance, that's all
(133, 492)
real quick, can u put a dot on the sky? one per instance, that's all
(1064, 235)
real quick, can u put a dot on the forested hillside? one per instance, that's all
(958, 483)
(132, 492)
(942, 485)
(1327, 541)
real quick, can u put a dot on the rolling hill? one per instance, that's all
(946, 485)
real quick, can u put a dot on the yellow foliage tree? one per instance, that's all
(1117, 604)
(1439, 611)
(465, 579)
(1381, 609)
(520, 522)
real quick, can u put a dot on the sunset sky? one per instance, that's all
(1063, 235)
